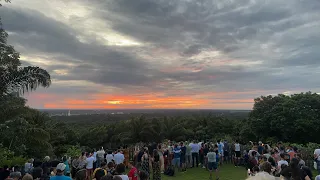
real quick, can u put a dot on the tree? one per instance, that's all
(286, 118)
(13, 77)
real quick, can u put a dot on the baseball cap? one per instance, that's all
(61, 166)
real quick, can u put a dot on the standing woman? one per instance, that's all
(156, 166)
(161, 158)
(145, 162)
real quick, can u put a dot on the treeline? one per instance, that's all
(26, 132)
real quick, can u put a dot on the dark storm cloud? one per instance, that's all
(238, 29)
(42, 34)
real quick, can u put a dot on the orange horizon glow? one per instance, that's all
(141, 101)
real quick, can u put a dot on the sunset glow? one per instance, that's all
(127, 54)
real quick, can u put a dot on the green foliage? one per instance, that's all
(73, 151)
(286, 118)
(13, 77)
(8, 158)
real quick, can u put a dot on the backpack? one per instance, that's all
(169, 171)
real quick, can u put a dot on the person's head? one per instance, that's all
(155, 153)
(109, 152)
(47, 158)
(282, 156)
(99, 174)
(256, 169)
(294, 163)
(118, 151)
(283, 166)
(254, 153)
(120, 168)
(37, 173)
(272, 161)
(110, 165)
(143, 175)
(109, 177)
(27, 177)
(30, 160)
(295, 149)
(15, 175)
(60, 168)
(266, 167)
(64, 158)
(103, 165)
(130, 164)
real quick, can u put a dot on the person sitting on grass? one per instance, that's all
(212, 163)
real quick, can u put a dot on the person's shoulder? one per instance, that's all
(66, 178)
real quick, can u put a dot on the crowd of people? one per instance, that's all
(262, 161)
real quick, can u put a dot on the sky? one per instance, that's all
(186, 54)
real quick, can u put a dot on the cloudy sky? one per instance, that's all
(166, 53)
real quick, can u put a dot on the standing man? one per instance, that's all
(220, 150)
(119, 158)
(100, 156)
(237, 151)
(195, 153)
(188, 156)
(183, 156)
(226, 150)
(176, 157)
(212, 163)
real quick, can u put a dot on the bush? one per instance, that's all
(8, 158)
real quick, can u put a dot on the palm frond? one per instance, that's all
(27, 79)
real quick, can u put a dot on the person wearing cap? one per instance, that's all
(60, 173)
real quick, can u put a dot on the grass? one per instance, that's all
(226, 172)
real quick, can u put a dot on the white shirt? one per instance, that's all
(90, 161)
(317, 152)
(101, 153)
(237, 147)
(118, 158)
(124, 177)
(282, 162)
(109, 158)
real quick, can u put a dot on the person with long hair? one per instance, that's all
(293, 172)
(156, 166)
(145, 161)
(143, 175)
(161, 157)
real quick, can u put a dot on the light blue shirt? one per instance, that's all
(118, 158)
(194, 148)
